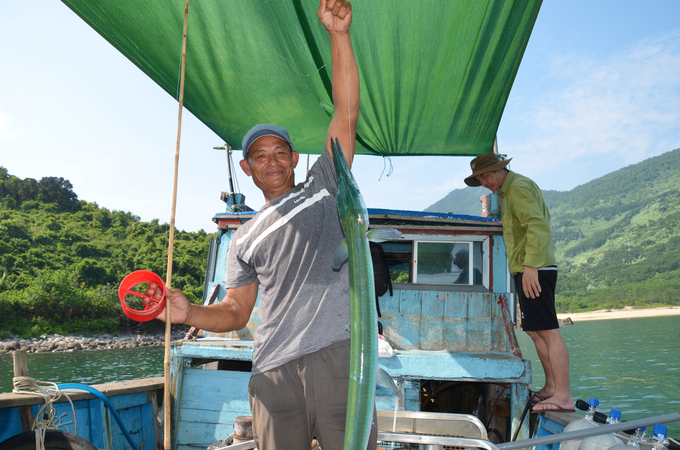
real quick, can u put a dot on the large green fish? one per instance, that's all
(364, 321)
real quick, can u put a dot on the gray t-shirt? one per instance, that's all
(288, 248)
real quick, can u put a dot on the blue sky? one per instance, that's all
(598, 89)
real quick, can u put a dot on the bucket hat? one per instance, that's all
(486, 162)
(264, 129)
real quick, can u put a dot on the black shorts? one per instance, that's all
(539, 314)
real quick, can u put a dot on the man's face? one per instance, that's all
(492, 180)
(270, 162)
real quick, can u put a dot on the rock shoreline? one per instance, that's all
(59, 343)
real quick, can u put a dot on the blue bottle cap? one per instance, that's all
(593, 402)
(615, 414)
(660, 430)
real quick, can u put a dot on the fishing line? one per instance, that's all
(386, 159)
(293, 68)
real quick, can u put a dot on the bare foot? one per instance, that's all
(543, 394)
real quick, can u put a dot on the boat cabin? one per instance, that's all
(447, 319)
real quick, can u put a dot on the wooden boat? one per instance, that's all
(451, 340)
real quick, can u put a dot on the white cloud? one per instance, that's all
(597, 114)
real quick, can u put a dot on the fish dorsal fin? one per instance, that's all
(384, 379)
(383, 234)
(341, 255)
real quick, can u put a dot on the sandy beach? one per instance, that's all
(626, 313)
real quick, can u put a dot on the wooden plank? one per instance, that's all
(403, 330)
(10, 423)
(432, 333)
(410, 302)
(225, 416)
(98, 435)
(21, 370)
(390, 303)
(228, 391)
(455, 334)
(456, 304)
(479, 305)
(433, 303)
(9, 400)
(129, 401)
(500, 265)
(203, 434)
(479, 334)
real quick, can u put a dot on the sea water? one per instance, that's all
(632, 365)
(88, 367)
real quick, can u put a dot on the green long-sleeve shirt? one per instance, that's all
(526, 224)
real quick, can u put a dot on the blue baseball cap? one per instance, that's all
(264, 129)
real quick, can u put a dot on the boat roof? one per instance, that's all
(435, 75)
(385, 217)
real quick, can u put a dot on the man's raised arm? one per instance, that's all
(336, 16)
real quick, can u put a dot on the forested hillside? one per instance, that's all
(617, 238)
(62, 259)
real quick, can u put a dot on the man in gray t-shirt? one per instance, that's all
(301, 354)
(288, 249)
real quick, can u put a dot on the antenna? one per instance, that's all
(235, 201)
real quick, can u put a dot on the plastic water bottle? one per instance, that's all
(630, 444)
(603, 440)
(588, 421)
(659, 439)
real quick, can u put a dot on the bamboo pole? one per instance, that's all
(167, 418)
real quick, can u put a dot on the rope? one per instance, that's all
(46, 418)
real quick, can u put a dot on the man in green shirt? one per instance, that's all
(526, 231)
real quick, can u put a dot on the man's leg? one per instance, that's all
(548, 388)
(540, 323)
(331, 385)
(558, 360)
(280, 418)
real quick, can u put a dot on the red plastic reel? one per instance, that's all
(153, 309)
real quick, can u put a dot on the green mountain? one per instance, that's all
(61, 259)
(617, 238)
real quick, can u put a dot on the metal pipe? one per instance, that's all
(448, 441)
(580, 434)
(248, 445)
(483, 443)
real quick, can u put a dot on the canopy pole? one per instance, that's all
(167, 398)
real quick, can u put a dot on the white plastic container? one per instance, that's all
(581, 424)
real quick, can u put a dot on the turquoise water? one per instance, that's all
(88, 367)
(631, 365)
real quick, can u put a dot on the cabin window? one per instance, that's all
(448, 263)
(451, 260)
(399, 256)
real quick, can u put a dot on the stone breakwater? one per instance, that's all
(59, 343)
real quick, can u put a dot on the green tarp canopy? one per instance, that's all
(435, 74)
